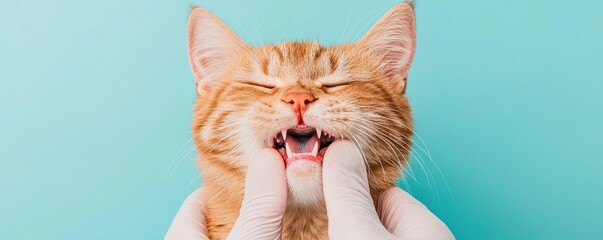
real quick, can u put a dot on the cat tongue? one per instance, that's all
(302, 148)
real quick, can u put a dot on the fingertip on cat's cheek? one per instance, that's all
(338, 147)
(270, 155)
(343, 156)
(342, 151)
(267, 161)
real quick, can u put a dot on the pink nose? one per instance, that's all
(299, 102)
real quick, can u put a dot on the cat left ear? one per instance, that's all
(210, 45)
(391, 42)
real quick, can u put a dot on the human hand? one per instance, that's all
(262, 211)
(351, 211)
(350, 208)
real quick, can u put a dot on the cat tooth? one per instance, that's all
(289, 153)
(315, 149)
(284, 133)
(318, 132)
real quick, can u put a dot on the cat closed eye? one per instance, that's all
(260, 85)
(337, 84)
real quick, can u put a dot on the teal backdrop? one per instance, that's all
(96, 101)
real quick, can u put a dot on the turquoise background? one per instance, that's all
(96, 100)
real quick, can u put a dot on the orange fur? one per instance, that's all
(233, 118)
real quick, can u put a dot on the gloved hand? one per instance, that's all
(261, 213)
(350, 209)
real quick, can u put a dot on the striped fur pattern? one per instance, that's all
(359, 90)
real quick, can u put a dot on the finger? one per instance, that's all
(350, 208)
(189, 222)
(265, 198)
(404, 216)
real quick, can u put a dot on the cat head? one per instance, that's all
(298, 97)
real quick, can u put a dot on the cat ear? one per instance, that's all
(391, 42)
(210, 44)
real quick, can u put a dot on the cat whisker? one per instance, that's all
(180, 161)
(198, 177)
(374, 151)
(392, 149)
(387, 138)
(347, 20)
(408, 188)
(443, 178)
(232, 134)
(426, 151)
(255, 29)
(411, 150)
(176, 155)
(384, 131)
(412, 153)
(371, 21)
(245, 32)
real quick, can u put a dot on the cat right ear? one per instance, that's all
(210, 45)
(391, 42)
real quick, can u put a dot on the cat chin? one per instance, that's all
(305, 183)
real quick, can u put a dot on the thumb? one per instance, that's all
(405, 216)
(190, 222)
(350, 208)
(265, 198)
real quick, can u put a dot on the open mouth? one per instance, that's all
(302, 143)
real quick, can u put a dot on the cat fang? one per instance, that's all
(302, 143)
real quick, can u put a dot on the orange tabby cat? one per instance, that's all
(298, 97)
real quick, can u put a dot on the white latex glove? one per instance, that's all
(350, 208)
(263, 206)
